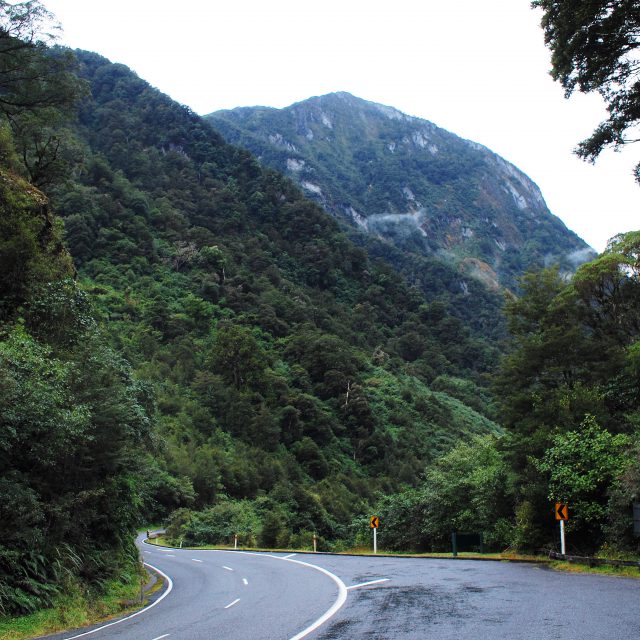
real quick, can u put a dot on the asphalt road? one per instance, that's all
(237, 596)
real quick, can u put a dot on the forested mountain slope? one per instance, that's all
(186, 338)
(411, 183)
(289, 368)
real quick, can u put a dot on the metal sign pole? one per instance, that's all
(562, 547)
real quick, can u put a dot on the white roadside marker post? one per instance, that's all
(562, 514)
(315, 543)
(235, 541)
(374, 523)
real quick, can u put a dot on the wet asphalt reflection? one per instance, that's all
(460, 600)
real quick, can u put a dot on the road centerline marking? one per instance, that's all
(330, 612)
(227, 568)
(232, 603)
(196, 560)
(245, 581)
(366, 584)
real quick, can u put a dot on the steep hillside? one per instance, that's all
(290, 369)
(409, 182)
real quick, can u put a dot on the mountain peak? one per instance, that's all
(341, 99)
(411, 184)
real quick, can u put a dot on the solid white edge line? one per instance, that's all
(166, 635)
(330, 612)
(232, 603)
(137, 613)
(287, 557)
(366, 584)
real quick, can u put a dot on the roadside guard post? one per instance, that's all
(562, 514)
(374, 523)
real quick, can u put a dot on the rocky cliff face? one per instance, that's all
(410, 183)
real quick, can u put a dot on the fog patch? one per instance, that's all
(580, 256)
(397, 224)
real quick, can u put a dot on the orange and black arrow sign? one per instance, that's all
(562, 511)
(374, 523)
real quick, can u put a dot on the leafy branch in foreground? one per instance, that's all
(594, 47)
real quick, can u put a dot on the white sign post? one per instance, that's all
(374, 523)
(562, 514)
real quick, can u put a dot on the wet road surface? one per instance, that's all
(238, 596)
(471, 600)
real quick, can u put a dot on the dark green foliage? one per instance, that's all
(571, 365)
(32, 77)
(69, 424)
(465, 490)
(281, 379)
(257, 322)
(582, 466)
(593, 48)
(31, 249)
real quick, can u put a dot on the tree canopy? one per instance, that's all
(594, 48)
(32, 76)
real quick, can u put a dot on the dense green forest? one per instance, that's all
(186, 339)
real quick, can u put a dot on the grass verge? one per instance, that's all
(76, 609)
(574, 567)
(364, 551)
(557, 565)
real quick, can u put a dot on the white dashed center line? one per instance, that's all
(227, 568)
(194, 559)
(245, 581)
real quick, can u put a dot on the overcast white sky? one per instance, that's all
(478, 69)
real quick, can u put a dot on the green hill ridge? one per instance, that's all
(410, 183)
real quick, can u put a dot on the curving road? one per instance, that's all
(244, 596)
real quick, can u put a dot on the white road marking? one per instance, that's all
(330, 612)
(228, 568)
(366, 584)
(245, 581)
(232, 603)
(287, 557)
(137, 613)
(166, 635)
(170, 555)
(194, 559)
